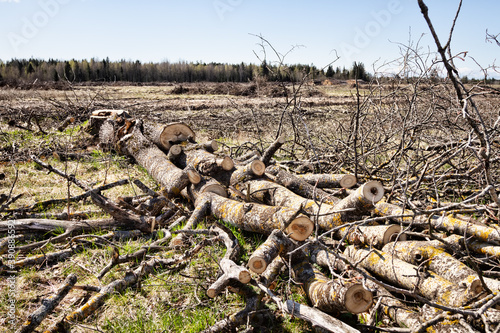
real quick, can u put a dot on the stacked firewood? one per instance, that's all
(349, 249)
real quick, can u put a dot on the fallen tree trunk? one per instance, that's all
(299, 186)
(447, 223)
(406, 275)
(332, 295)
(260, 218)
(133, 143)
(327, 216)
(372, 235)
(329, 180)
(204, 162)
(438, 261)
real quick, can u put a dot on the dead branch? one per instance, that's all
(48, 305)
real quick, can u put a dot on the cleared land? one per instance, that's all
(411, 136)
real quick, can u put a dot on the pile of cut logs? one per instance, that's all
(348, 248)
(255, 195)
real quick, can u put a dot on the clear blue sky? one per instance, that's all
(223, 30)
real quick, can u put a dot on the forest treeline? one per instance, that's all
(95, 70)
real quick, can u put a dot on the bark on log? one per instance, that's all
(438, 261)
(474, 245)
(373, 235)
(48, 305)
(329, 180)
(50, 226)
(448, 323)
(204, 162)
(150, 157)
(231, 272)
(299, 186)
(316, 317)
(429, 285)
(211, 146)
(331, 295)
(447, 223)
(272, 271)
(261, 218)
(164, 136)
(327, 216)
(206, 185)
(391, 306)
(276, 243)
(98, 117)
(201, 210)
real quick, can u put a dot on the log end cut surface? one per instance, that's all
(227, 163)
(300, 228)
(373, 191)
(257, 265)
(358, 299)
(348, 181)
(258, 168)
(176, 132)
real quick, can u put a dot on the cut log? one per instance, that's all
(174, 153)
(261, 218)
(329, 180)
(299, 186)
(164, 136)
(401, 273)
(447, 223)
(391, 306)
(474, 245)
(240, 173)
(204, 162)
(327, 216)
(438, 261)
(254, 169)
(373, 235)
(317, 318)
(331, 295)
(277, 243)
(211, 146)
(325, 294)
(231, 272)
(150, 157)
(206, 185)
